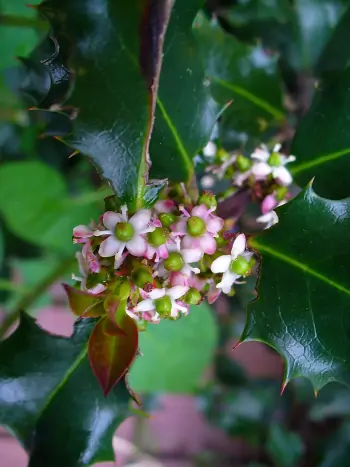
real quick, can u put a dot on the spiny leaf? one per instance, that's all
(304, 294)
(42, 378)
(112, 348)
(114, 51)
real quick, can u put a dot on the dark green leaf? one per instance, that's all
(36, 206)
(337, 450)
(112, 348)
(304, 290)
(285, 447)
(243, 74)
(185, 113)
(322, 140)
(42, 378)
(175, 353)
(116, 49)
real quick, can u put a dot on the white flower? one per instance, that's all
(271, 163)
(184, 256)
(224, 264)
(157, 301)
(210, 149)
(124, 233)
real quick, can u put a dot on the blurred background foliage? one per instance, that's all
(271, 55)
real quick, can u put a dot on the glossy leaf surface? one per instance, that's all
(115, 55)
(175, 354)
(304, 290)
(322, 140)
(185, 112)
(46, 378)
(112, 348)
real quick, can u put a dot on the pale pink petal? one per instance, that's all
(239, 178)
(189, 242)
(228, 280)
(269, 219)
(282, 175)
(119, 259)
(166, 205)
(238, 246)
(157, 293)
(261, 154)
(207, 243)
(111, 219)
(215, 224)
(82, 231)
(176, 278)
(97, 289)
(137, 246)
(196, 282)
(132, 315)
(221, 264)
(261, 170)
(145, 305)
(213, 293)
(140, 220)
(201, 211)
(269, 203)
(151, 316)
(150, 252)
(191, 255)
(179, 307)
(109, 247)
(177, 291)
(180, 227)
(82, 264)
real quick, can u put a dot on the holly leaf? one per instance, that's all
(244, 75)
(185, 112)
(304, 290)
(322, 140)
(43, 377)
(112, 348)
(115, 53)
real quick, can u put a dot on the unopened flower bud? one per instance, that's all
(208, 199)
(196, 226)
(192, 297)
(240, 266)
(243, 163)
(158, 237)
(163, 306)
(174, 262)
(141, 277)
(167, 219)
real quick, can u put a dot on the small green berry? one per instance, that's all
(275, 159)
(124, 231)
(167, 219)
(192, 297)
(174, 262)
(196, 226)
(163, 305)
(141, 276)
(243, 163)
(158, 237)
(240, 266)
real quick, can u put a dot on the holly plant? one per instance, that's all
(216, 177)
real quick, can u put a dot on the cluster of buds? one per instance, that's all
(171, 256)
(264, 172)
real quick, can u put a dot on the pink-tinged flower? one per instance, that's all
(83, 233)
(213, 293)
(158, 242)
(272, 163)
(270, 218)
(90, 258)
(162, 303)
(84, 269)
(166, 205)
(199, 229)
(234, 265)
(124, 233)
(179, 260)
(268, 204)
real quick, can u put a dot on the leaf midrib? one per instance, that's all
(298, 265)
(322, 159)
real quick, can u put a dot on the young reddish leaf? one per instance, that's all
(111, 353)
(84, 304)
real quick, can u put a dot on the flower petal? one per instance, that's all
(221, 264)
(156, 293)
(238, 246)
(109, 247)
(282, 175)
(207, 243)
(180, 227)
(137, 246)
(261, 170)
(82, 231)
(191, 255)
(110, 219)
(209, 149)
(215, 224)
(132, 315)
(140, 220)
(261, 154)
(268, 204)
(228, 280)
(201, 211)
(177, 291)
(97, 289)
(145, 305)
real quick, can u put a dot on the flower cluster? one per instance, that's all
(172, 255)
(264, 172)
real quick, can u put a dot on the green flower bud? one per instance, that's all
(124, 231)
(240, 266)
(96, 278)
(208, 199)
(174, 262)
(141, 276)
(275, 159)
(243, 163)
(192, 297)
(158, 237)
(196, 226)
(163, 305)
(167, 219)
